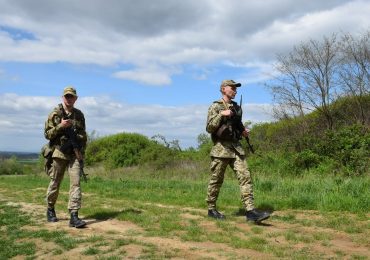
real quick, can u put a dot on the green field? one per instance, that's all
(160, 216)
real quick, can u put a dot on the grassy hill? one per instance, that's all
(305, 143)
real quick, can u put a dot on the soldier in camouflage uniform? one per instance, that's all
(226, 129)
(65, 116)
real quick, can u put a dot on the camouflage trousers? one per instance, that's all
(59, 166)
(240, 168)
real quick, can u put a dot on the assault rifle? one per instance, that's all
(73, 144)
(234, 126)
(247, 137)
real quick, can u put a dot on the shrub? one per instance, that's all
(118, 150)
(350, 146)
(345, 148)
(306, 159)
(158, 156)
(10, 167)
(128, 149)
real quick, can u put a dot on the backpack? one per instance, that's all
(47, 153)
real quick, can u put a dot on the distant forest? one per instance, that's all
(19, 155)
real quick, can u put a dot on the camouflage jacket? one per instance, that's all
(57, 135)
(221, 148)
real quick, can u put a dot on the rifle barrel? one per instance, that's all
(249, 144)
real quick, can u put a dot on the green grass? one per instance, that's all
(18, 240)
(13, 221)
(272, 192)
(176, 208)
(180, 186)
(324, 194)
(91, 251)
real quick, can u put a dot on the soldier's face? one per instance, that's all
(230, 91)
(69, 100)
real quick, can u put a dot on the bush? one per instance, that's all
(345, 148)
(128, 149)
(350, 146)
(273, 163)
(117, 150)
(306, 159)
(10, 167)
(328, 166)
(158, 156)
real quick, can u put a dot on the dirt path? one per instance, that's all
(113, 229)
(280, 235)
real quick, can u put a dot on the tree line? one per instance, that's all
(318, 72)
(322, 94)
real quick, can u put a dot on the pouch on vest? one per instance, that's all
(225, 132)
(47, 153)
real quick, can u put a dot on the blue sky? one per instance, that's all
(49, 79)
(151, 67)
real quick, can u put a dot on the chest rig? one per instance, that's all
(231, 127)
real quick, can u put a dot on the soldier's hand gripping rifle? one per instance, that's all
(73, 144)
(233, 128)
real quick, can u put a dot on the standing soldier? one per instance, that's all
(224, 123)
(64, 122)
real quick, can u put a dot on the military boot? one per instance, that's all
(254, 215)
(213, 213)
(75, 221)
(50, 215)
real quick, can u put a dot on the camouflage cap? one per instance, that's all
(70, 90)
(230, 82)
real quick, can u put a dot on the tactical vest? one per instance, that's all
(78, 123)
(232, 127)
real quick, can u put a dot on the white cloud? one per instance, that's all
(22, 119)
(281, 35)
(155, 40)
(5, 123)
(257, 113)
(146, 76)
(169, 33)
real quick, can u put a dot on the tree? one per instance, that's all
(92, 136)
(287, 89)
(355, 72)
(307, 78)
(160, 139)
(203, 139)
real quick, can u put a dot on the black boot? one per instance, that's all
(50, 215)
(254, 215)
(213, 213)
(75, 221)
